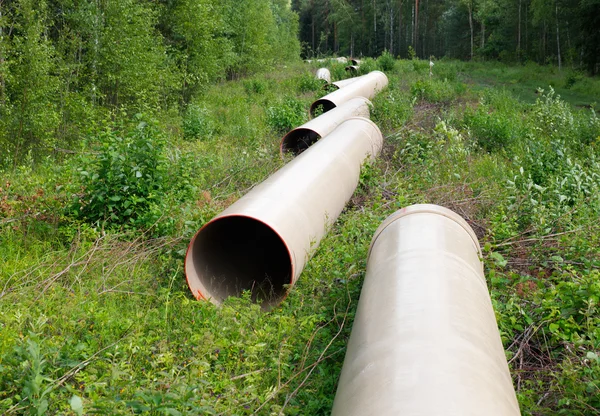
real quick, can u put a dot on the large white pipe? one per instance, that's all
(299, 139)
(365, 86)
(425, 340)
(324, 74)
(344, 82)
(262, 242)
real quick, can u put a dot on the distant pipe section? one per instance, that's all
(301, 138)
(324, 74)
(353, 69)
(262, 242)
(425, 339)
(365, 86)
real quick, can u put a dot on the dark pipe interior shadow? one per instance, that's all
(326, 105)
(298, 140)
(235, 254)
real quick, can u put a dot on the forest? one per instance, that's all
(559, 32)
(127, 125)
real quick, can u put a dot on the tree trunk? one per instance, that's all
(399, 47)
(519, 29)
(557, 37)
(416, 36)
(471, 26)
(391, 9)
(312, 24)
(482, 34)
(1, 57)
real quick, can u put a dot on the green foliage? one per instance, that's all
(435, 90)
(255, 86)
(28, 109)
(100, 320)
(122, 184)
(198, 123)
(492, 129)
(386, 61)
(367, 65)
(286, 115)
(391, 108)
(308, 83)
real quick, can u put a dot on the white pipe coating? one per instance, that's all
(365, 86)
(262, 242)
(425, 341)
(324, 74)
(299, 139)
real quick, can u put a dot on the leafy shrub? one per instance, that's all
(288, 114)
(255, 86)
(308, 83)
(435, 90)
(197, 123)
(391, 109)
(123, 182)
(492, 129)
(367, 65)
(338, 71)
(386, 61)
(552, 116)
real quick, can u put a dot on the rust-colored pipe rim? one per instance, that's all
(227, 244)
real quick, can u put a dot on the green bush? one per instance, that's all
(391, 109)
(492, 130)
(435, 90)
(367, 65)
(308, 83)
(386, 61)
(122, 184)
(288, 114)
(197, 123)
(255, 86)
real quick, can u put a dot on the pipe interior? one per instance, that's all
(326, 105)
(298, 140)
(236, 254)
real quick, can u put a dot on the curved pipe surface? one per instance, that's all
(262, 242)
(344, 82)
(353, 69)
(301, 138)
(324, 74)
(365, 86)
(425, 339)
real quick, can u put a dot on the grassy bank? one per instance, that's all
(95, 315)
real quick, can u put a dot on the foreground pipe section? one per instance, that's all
(365, 86)
(262, 242)
(425, 339)
(324, 74)
(301, 138)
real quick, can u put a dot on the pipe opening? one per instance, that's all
(298, 140)
(236, 254)
(320, 106)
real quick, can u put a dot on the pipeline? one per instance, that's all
(262, 242)
(353, 69)
(324, 74)
(344, 82)
(366, 86)
(301, 138)
(425, 339)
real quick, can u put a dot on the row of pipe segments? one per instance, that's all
(425, 339)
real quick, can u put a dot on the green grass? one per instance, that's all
(96, 317)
